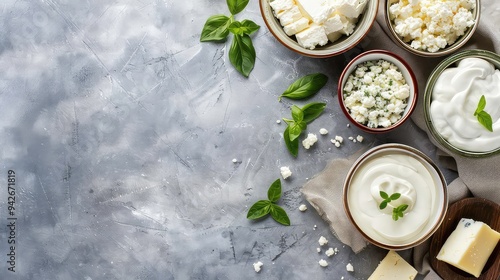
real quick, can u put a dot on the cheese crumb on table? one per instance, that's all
(393, 267)
(257, 266)
(330, 252)
(469, 246)
(285, 172)
(302, 207)
(349, 267)
(235, 160)
(322, 241)
(310, 140)
(323, 131)
(323, 263)
(360, 138)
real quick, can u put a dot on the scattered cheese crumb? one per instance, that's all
(323, 263)
(302, 207)
(349, 267)
(360, 138)
(278, 121)
(330, 252)
(335, 142)
(342, 277)
(318, 250)
(323, 131)
(322, 241)
(235, 160)
(310, 140)
(285, 172)
(348, 125)
(351, 138)
(257, 266)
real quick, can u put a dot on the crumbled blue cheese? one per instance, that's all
(310, 140)
(257, 266)
(323, 263)
(285, 172)
(376, 93)
(431, 25)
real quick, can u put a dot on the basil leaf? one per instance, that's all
(402, 208)
(485, 119)
(274, 192)
(384, 195)
(259, 209)
(242, 54)
(245, 27)
(292, 146)
(236, 6)
(395, 216)
(481, 105)
(395, 196)
(305, 86)
(312, 111)
(215, 28)
(294, 130)
(279, 215)
(383, 204)
(297, 114)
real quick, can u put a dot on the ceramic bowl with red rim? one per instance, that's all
(395, 196)
(340, 45)
(377, 91)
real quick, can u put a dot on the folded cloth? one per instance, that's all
(477, 177)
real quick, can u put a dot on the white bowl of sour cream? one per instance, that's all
(461, 94)
(395, 175)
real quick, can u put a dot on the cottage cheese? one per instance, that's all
(285, 172)
(323, 263)
(431, 25)
(257, 266)
(376, 94)
(322, 241)
(316, 22)
(302, 207)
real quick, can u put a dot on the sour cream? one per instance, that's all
(455, 97)
(396, 171)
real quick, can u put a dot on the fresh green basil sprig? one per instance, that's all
(397, 212)
(300, 118)
(262, 208)
(483, 117)
(217, 28)
(305, 87)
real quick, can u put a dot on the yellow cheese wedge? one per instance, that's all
(393, 267)
(469, 246)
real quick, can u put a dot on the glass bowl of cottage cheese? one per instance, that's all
(319, 28)
(432, 28)
(377, 91)
(395, 196)
(461, 103)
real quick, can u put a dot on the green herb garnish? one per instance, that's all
(217, 28)
(305, 86)
(483, 117)
(396, 212)
(300, 118)
(264, 207)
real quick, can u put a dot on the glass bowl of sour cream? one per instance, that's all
(432, 28)
(319, 28)
(377, 91)
(395, 196)
(461, 103)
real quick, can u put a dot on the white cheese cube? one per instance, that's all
(285, 172)
(311, 37)
(295, 27)
(349, 25)
(289, 16)
(317, 11)
(469, 246)
(333, 24)
(281, 5)
(350, 8)
(393, 267)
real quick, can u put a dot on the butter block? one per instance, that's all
(469, 246)
(393, 267)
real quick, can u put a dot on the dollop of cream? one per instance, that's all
(393, 173)
(455, 97)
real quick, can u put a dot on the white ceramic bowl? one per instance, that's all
(363, 210)
(405, 69)
(442, 52)
(342, 45)
(429, 88)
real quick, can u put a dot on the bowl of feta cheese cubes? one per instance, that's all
(432, 28)
(319, 28)
(377, 91)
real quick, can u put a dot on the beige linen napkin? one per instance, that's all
(477, 177)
